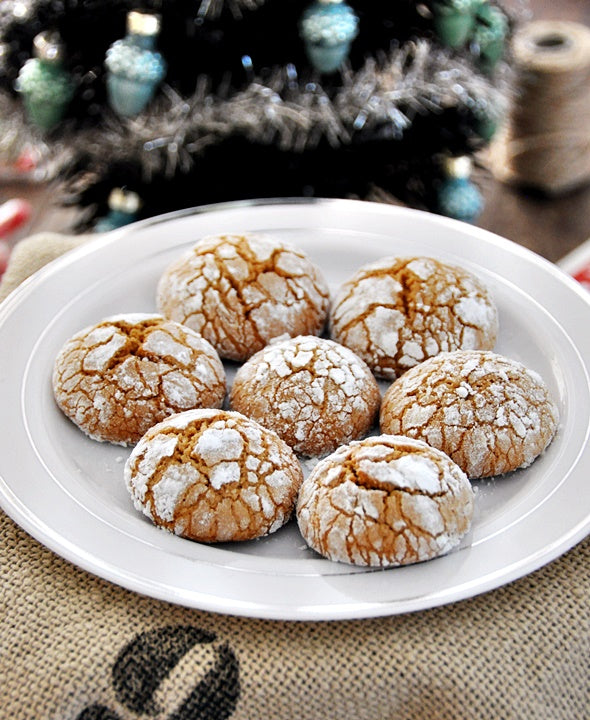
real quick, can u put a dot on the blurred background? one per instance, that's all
(480, 110)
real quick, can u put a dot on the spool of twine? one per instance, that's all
(546, 142)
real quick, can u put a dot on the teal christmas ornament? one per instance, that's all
(486, 126)
(46, 87)
(458, 197)
(453, 21)
(328, 28)
(123, 208)
(134, 67)
(487, 118)
(489, 36)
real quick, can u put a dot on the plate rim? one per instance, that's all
(27, 521)
(107, 238)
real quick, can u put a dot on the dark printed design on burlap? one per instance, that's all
(97, 712)
(147, 662)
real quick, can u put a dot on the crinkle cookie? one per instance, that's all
(213, 476)
(312, 392)
(385, 501)
(397, 312)
(240, 291)
(489, 413)
(119, 377)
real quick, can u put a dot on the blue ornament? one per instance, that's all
(134, 67)
(458, 197)
(123, 207)
(328, 28)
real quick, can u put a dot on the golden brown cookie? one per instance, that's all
(397, 312)
(119, 377)
(385, 501)
(240, 291)
(213, 476)
(314, 393)
(489, 413)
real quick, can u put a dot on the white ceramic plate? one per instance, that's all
(67, 491)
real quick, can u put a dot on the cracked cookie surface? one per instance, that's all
(385, 501)
(240, 291)
(397, 312)
(213, 476)
(118, 377)
(314, 393)
(489, 413)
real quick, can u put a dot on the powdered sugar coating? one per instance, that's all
(240, 291)
(385, 501)
(314, 393)
(397, 312)
(213, 476)
(117, 378)
(489, 413)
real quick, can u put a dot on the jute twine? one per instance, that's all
(546, 142)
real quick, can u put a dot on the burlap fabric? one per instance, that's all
(75, 647)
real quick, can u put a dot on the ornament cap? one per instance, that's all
(47, 46)
(457, 167)
(124, 200)
(145, 24)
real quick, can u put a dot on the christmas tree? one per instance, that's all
(187, 103)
